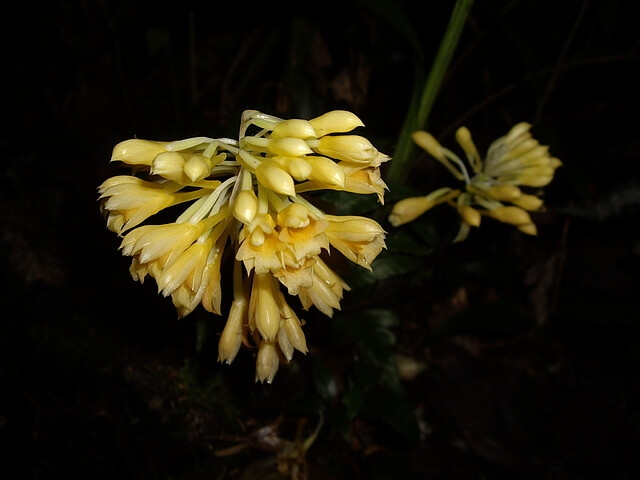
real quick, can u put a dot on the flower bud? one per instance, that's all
(169, 165)
(294, 128)
(512, 215)
(504, 193)
(292, 147)
(137, 152)
(528, 228)
(528, 202)
(517, 131)
(294, 216)
(231, 337)
(285, 345)
(534, 180)
(276, 179)
(429, 143)
(463, 136)
(267, 312)
(295, 334)
(197, 167)
(334, 122)
(267, 362)
(354, 228)
(327, 171)
(299, 168)
(408, 209)
(350, 148)
(245, 206)
(469, 215)
(555, 163)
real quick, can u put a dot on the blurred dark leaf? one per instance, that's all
(325, 381)
(401, 241)
(353, 400)
(371, 332)
(392, 264)
(350, 203)
(395, 410)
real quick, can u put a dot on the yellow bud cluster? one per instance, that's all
(245, 195)
(513, 161)
(296, 155)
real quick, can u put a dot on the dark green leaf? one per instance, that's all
(325, 381)
(395, 411)
(391, 264)
(353, 400)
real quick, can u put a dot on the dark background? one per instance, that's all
(528, 348)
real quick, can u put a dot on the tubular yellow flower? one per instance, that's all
(326, 172)
(267, 362)
(294, 128)
(505, 193)
(528, 228)
(528, 202)
(350, 148)
(242, 195)
(289, 146)
(512, 215)
(231, 338)
(360, 239)
(429, 143)
(264, 311)
(137, 152)
(408, 209)
(470, 215)
(276, 179)
(337, 121)
(129, 201)
(245, 207)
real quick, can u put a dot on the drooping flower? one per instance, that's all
(245, 196)
(513, 161)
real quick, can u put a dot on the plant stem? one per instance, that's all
(417, 118)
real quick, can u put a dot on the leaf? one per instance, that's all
(389, 265)
(395, 410)
(401, 241)
(325, 381)
(347, 203)
(371, 332)
(353, 400)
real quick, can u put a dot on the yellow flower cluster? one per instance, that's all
(512, 161)
(245, 196)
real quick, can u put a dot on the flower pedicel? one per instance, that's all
(245, 196)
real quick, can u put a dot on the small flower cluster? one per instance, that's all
(512, 161)
(244, 196)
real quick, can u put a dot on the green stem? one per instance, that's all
(417, 118)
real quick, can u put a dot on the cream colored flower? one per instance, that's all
(244, 196)
(513, 161)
